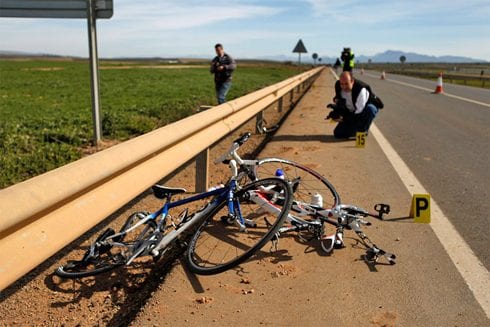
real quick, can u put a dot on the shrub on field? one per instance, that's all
(109, 124)
(138, 124)
(28, 156)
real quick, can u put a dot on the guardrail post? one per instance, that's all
(202, 167)
(291, 96)
(259, 123)
(279, 104)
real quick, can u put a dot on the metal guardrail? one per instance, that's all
(40, 216)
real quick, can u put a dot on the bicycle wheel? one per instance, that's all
(103, 257)
(97, 259)
(309, 187)
(221, 244)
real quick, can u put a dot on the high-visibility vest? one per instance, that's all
(351, 61)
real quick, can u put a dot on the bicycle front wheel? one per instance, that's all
(308, 186)
(229, 235)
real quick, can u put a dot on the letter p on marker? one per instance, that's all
(420, 208)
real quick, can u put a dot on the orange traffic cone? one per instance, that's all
(439, 89)
(383, 75)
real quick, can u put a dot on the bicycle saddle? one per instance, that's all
(162, 191)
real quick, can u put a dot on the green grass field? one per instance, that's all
(45, 107)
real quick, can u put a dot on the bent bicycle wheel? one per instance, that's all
(221, 243)
(97, 259)
(79, 269)
(100, 257)
(308, 186)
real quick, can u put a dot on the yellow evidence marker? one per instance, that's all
(360, 139)
(420, 208)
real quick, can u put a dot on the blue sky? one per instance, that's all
(263, 28)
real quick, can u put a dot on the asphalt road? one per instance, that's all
(445, 142)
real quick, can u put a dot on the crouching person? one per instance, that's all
(355, 106)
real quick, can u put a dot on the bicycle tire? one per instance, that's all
(218, 245)
(78, 269)
(310, 182)
(105, 260)
(83, 268)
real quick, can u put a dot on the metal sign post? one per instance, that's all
(299, 49)
(90, 9)
(94, 69)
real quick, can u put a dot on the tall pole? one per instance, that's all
(94, 69)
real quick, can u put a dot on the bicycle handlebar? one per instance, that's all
(232, 151)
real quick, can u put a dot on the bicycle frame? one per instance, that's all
(219, 194)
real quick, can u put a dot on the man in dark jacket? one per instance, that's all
(222, 67)
(354, 108)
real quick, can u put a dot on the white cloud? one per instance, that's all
(253, 27)
(173, 15)
(140, 28)
(375, 12)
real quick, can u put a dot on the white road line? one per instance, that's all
(467, 263)
(469, 266)
(426, 89)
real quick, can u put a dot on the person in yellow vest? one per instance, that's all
(347, 57)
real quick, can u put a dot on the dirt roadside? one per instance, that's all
(296, 285)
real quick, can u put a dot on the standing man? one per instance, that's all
(222, 67)
(355, 106)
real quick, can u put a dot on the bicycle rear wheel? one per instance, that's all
(103, 256)
(98, 259)
(306, 184)
(221, 244)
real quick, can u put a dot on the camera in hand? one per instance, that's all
(333, 115)
(339, 109)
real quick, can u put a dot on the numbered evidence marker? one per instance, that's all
(420, 209)
(360, 139)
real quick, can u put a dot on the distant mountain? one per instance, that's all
(6, 53)
(305, 58)
(387, 56)
(384, 57)
(394, 56)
